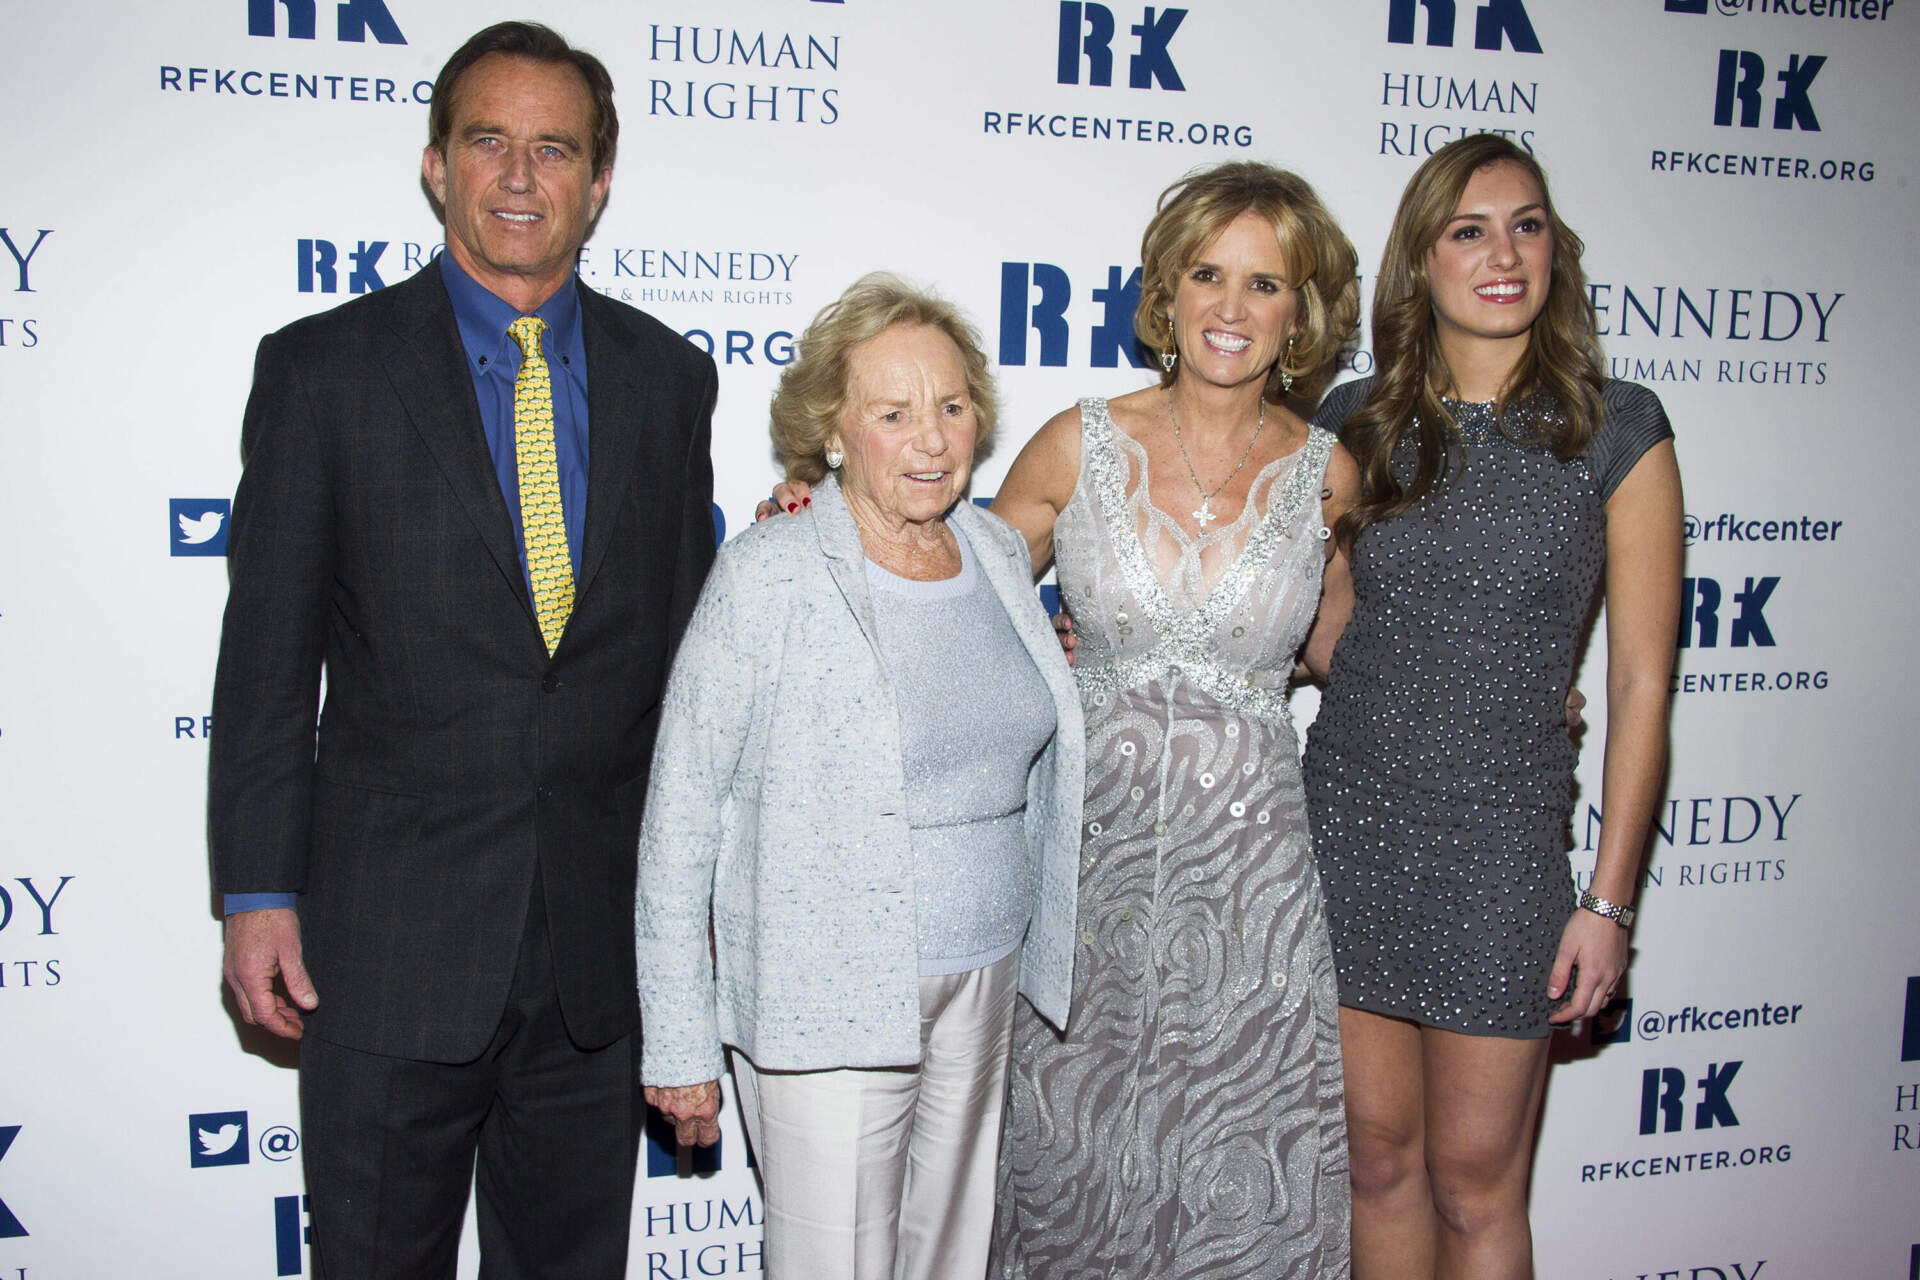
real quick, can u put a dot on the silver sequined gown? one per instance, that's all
(1190, 1122)
(1439, 771)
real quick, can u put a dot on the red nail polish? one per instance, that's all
(792, 507)
(807, 503)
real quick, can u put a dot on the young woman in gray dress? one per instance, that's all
(1502, 475)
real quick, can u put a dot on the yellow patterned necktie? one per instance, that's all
(543, 525)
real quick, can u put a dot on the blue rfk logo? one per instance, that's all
(356, 18)
(320, 266)
(1743, 75)
(290, 1234)
(1663, 1095)
(1497, 20)
(1700, 614)
(1087, 30)
(1046, 315)
(10, 1227)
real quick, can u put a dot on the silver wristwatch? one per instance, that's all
(1622, 916)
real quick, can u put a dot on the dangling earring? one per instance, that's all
(834, 458)
(1170, 357)
(1286, 379)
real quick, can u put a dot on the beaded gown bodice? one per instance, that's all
(1226, 611)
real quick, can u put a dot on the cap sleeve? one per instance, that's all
(1340, 404)
(1635, 422)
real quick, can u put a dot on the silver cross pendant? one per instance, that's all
(1204, 513)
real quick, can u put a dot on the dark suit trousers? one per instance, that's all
(390, 1146)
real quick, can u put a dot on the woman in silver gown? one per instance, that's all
(1189, 1121)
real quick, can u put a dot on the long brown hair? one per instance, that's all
(1561, 363)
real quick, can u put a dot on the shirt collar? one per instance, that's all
(483, 319)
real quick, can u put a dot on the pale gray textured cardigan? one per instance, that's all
(778, 795)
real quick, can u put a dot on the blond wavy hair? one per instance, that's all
(1320, 264)
(812, 395)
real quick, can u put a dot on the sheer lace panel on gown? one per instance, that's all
(1190, 567)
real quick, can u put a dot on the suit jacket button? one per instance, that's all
(548, 684)
(543, 793)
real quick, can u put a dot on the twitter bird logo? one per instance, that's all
(217, 1138)
(205, 529)
(198, 526)
(221, 1140)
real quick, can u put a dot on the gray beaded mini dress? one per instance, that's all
(1439, 773)
(1190, 1121)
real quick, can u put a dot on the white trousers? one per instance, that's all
(888, 1174)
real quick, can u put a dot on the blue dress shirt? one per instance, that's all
(493, 358)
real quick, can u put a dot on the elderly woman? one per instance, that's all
(884, 855)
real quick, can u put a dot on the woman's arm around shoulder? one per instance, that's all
(1341, 491)
(1040, 484)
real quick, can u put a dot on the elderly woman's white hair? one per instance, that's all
(812, 393)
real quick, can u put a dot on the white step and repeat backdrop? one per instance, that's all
(184, 176)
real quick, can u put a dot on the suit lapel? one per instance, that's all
(620, 407)
(428, 369)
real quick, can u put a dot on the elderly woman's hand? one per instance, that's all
(693, 1108)
(788, 496)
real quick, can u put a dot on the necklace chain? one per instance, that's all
(1204, 512)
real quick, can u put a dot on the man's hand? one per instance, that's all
(1063, 629)
(693, 1108)
(260, 946)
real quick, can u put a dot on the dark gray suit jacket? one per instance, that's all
(453, 757)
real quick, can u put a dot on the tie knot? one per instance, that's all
(526, 331)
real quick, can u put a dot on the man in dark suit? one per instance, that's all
(480, 500)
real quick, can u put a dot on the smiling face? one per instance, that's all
(1493, 264)
(1233, 308)
(517, 178)
(908, 426)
